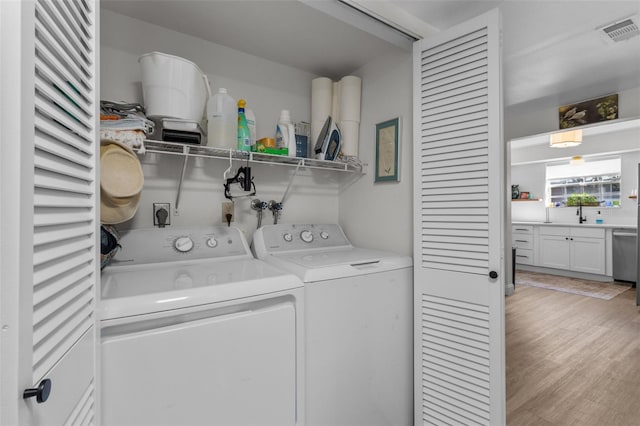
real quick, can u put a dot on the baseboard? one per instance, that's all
(564, 273)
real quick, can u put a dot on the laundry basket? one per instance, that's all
(173, 87)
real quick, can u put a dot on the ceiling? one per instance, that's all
(551, 48)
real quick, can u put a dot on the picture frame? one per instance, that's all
(588, 112)
(388, 151)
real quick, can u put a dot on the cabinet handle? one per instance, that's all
(493, 274)
(41, 392)
(566, 238)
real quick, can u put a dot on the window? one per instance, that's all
(599, 179)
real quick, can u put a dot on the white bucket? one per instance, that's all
(173, 87)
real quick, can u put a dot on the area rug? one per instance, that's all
(600, 290)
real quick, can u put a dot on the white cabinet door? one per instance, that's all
(459, 206)
(554, 252)
(588, 255)
(48, 213)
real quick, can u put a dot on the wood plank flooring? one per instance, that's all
(572, 360)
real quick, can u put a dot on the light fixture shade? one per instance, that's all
(565, 139)
(576, 160)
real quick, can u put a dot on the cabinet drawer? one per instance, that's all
(524, 256)
(522, 229)
(587, 232)
(522, 241)
(562, 231)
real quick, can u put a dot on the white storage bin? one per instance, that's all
(173, 87)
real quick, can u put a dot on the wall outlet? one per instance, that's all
(158, 214)
(227, 208)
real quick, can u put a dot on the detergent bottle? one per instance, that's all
(286, 134)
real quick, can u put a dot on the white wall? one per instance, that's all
(380, 215)
(268, 87)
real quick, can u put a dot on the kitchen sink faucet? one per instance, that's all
(579, 212)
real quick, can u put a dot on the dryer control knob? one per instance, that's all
(287, 237)
(306, 236)
(324, 235)
(211, 242)
(183, 244)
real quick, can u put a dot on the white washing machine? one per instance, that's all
(196, 331)
(358, 324)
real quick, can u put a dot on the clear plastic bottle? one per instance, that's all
(251, 123)
(222, 120)
(244, 135)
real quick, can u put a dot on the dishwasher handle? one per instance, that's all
(624, 234)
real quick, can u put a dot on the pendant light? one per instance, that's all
(565, 139)
(576, 160)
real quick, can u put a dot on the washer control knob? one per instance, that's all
(306, 236)
(183, 244)
(288, 237)
(211, 242)
(324, 235)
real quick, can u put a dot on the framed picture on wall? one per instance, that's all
(387, 151)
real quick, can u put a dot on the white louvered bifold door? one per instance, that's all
(458, 226)
(65, 271)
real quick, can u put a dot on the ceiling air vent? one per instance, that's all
(621, 30)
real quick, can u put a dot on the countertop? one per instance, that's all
(586, 225)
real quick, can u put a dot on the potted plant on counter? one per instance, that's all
(583, 199)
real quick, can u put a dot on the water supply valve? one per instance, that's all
(276, 208)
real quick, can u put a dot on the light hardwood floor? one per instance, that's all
(572, 360)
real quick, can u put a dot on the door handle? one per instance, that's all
(41, 392)
(493, 274)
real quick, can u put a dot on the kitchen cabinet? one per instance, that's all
(572, 248)
(522, 239)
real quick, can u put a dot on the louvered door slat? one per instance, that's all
(57, 285)
(54, 347)
(59, 182)
(54, 304)
(60, 249)
(47, 161)
(46, 235)
(49, 30)
(56, 63)
(51, 198)
(63, 149)
(82, 413)
(52, 94)
(64, 87)
(66, 18)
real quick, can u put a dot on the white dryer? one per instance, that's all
(358, 324)
(196, 331)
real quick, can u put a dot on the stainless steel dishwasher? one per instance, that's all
(625, 258)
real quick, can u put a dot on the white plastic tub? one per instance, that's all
(173, 87)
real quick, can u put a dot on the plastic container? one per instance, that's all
(244, 135)
(599, 219)
(251, 123)
(285, 134)
(222, 120)
(173, 87)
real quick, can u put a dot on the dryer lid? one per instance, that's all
(339, 263)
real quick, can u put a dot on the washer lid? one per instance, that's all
(323, 265)
(142, 289)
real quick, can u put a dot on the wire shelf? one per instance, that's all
(172, 148)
